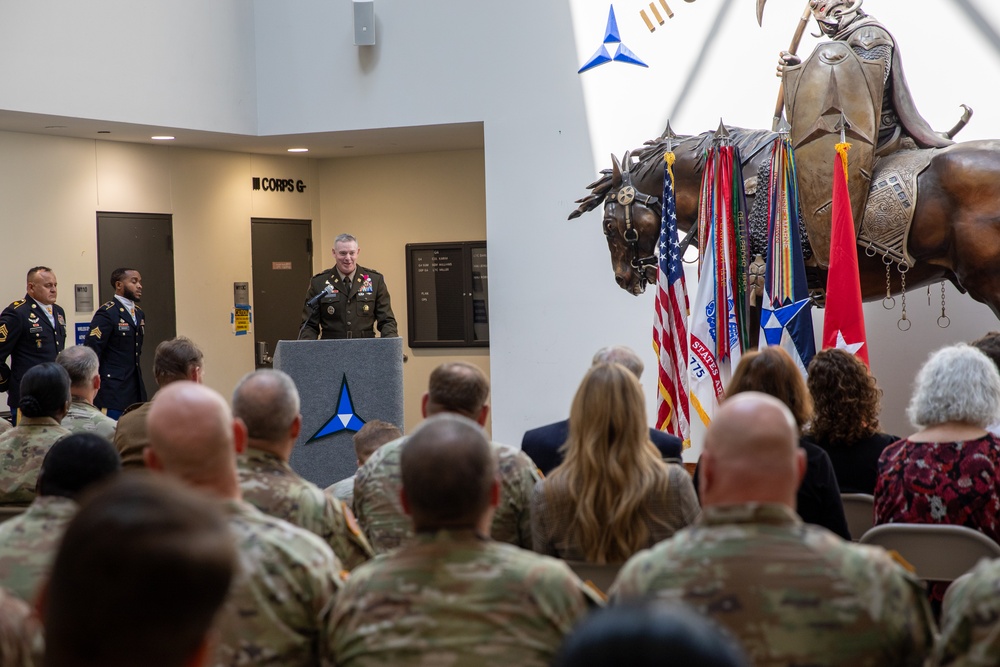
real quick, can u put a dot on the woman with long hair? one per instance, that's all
(612, 495)
(846, 401)
(772, 371)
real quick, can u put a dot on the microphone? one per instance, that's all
(313, 302)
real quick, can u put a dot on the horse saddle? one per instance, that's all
(831, 85)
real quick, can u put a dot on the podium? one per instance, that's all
(342, 385)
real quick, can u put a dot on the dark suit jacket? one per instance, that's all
(28, 338)
(542, 444)
(118, 344)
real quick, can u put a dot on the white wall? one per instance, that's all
(547, 132)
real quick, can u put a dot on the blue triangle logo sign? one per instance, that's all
(345, 419)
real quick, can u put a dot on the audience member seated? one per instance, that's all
(287, 577)
(949, 470)
(268, 403)
(545, 444)
(20, 632)
(463, 389)
(793, 594)
(453, 596)
(83, 367)
(141, 573)
(613, 495)
(28, 541)
(970, 619)
(649, 634)
(988, 345)
(175, 359)
(845, 418)
(372, 435)
(773, 372)
(44, 402)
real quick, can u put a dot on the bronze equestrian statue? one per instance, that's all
(954, 223)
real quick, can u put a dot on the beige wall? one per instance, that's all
(389, 201)
(52, 188)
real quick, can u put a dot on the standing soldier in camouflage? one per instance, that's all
(288, 577)
(85, 380)
(44, 402)
(791, 593)
(463, 389)
(453, 596)
(32, 331)
(268, 404)
(28, 542)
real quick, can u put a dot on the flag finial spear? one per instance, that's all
(783, 127)
(668, 134)
(722, 134)
(843, 126)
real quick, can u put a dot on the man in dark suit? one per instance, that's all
(542, 444)
(116, 334)
(32, 331)
(348, 300)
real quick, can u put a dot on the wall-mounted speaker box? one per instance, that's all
(364, 22)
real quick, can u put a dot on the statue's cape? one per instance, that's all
(914, 124)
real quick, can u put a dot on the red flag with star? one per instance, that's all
(844, 320)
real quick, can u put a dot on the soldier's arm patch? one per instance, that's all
(96, 333)
(3, 333)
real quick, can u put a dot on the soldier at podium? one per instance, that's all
(348, 300)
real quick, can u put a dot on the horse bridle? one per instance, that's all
(625, 197)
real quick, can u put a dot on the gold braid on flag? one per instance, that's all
(842, 149)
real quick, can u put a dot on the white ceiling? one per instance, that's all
(416, 139)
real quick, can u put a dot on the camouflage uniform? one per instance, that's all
(455, 598)
(20, 633)
(85, 418)
(343, 491)
(378, 482)
(275, 612)
(21, 452)
(5, 426)
(970, 620)
(792, 593)
(28, 544)
(269, 484)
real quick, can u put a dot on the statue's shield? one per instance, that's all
(831, 82)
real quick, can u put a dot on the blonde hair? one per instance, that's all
(611, 469)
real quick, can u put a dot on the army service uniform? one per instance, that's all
(270, 485)
(28, 544)
(29, 339)
(378, 482)
(453, 597)
(85, 418)
(791, 593)
(348, 310)
(117, 340)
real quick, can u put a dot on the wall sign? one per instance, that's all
(268, 184)
(447, 294)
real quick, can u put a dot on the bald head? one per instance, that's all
(268, 404)
(449, 474)
(193, 436)
(751, 453)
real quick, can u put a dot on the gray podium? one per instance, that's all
(342, 384)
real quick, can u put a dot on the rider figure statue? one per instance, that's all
(901, 125)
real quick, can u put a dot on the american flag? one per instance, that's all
(670, 334)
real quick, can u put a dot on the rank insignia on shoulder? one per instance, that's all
(108, 306)
(17, 304)
(3, 333)
(96, 333)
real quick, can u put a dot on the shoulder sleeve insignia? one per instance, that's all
(96, 333)
(3, 333)
(352, 523)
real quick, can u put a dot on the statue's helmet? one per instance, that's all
(833, 15)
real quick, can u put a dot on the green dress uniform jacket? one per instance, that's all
(29, 339)
(348, 311)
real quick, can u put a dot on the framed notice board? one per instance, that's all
(447, 294)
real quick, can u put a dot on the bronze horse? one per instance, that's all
(955, 233)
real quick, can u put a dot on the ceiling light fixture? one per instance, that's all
(162, 137)
(298, 150)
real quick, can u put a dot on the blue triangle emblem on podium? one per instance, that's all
(345, 420)
(612, 36)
